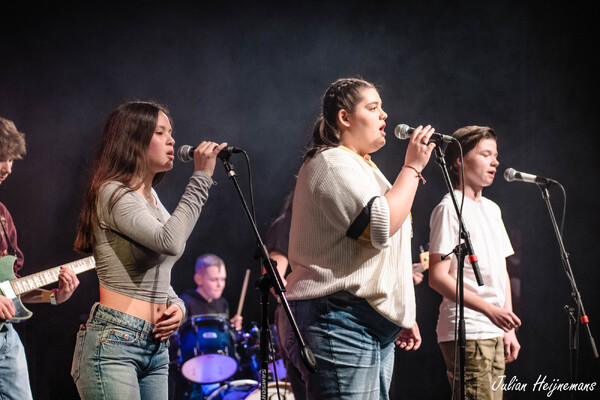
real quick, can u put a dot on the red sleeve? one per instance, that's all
(9, 246)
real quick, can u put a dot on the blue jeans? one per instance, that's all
(352, 343)
(293, 374)
(14, 378)
(117, 357)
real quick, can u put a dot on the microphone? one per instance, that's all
(404, 131)
(511, 175)
(185, 153)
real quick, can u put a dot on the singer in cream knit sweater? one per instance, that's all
(331, 189)
(351, 288)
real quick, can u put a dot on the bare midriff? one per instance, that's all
(138, 308)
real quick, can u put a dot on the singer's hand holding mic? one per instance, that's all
(401, 195)
(204, 155)
(420, 146)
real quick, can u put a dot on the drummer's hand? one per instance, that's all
(236, 321)
(168, 323)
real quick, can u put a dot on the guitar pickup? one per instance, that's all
(7, 290)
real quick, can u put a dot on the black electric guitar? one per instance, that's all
(12, 287)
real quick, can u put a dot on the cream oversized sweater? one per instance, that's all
(332, 189)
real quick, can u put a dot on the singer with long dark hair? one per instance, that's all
(351, 288)
(121, 352)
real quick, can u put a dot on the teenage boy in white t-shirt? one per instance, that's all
(489, 319)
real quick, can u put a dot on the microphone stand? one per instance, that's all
(576, 314)
(462, 250)
(271, 278)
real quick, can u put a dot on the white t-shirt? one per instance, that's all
(483, 221)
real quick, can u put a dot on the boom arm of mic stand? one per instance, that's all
(272, 279)
(567, 267)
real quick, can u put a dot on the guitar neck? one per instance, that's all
(43, 278)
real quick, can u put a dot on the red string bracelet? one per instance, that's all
(418, 173)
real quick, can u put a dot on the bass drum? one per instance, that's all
(250, 390)
(207, 351)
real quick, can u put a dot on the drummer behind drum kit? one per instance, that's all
(210, 351)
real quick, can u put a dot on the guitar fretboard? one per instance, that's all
(43, 278)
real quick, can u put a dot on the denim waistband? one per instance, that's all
(103, 313)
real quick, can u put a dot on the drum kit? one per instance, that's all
(213, 361)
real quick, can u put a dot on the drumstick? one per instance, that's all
(243, 295)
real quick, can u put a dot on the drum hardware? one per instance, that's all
(250, 390)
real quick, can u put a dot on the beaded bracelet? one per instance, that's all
(418, 173)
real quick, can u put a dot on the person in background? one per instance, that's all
(206, 299)
(210, 276)
(277, 243)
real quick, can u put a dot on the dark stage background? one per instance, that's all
(253, 74)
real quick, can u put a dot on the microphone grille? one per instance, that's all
(402, 131)
(509, 174)
(183, 153)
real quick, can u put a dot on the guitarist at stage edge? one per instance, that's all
(14, 378)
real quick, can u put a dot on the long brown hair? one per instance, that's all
(122, 156)
(343, 94)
